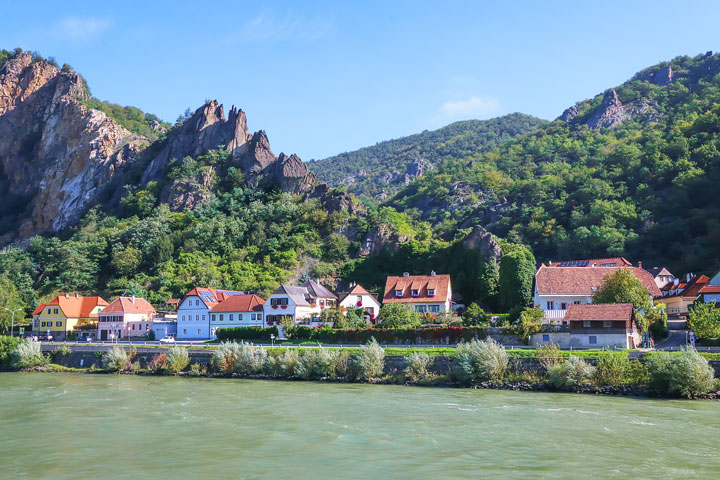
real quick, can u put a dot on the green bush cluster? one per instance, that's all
(482, 360)
(246, 333)
(685, 373)
(28, 354)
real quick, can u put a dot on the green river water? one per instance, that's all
(73, 426)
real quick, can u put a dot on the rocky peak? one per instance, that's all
(662, 76)
(610, 113)
(481, 239)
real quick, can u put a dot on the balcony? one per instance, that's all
(554, 314)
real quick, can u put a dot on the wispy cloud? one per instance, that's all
(472, 107)
(270, 27)
(80, 28)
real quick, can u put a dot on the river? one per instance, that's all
(74, 426)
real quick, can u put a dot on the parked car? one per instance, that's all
(167, 340)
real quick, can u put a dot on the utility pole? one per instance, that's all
(12, 320)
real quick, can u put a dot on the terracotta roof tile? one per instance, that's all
(581, 281)
(710, 289)
(75, 306)
(239, 303)
(129, 305)
(420, 283)
(613, 312)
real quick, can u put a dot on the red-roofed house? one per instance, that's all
(125, 317)
(237, 311)
(556, 288)
(65, 312)
(425, 293)
(594, 262)
(358, 297)
(601, 325)
(679, 295)
(711, 291)
(193, 315)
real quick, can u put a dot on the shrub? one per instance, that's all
(196, 370)
(611, 369)
(7, 346)
(473, 316)
(548, 355)
(398, 315)
(283, 366)
(573, 371)
(241, 358)
(177, 359)
(369, 362)
(116, 359)
(530, 323)
(151, 335)
(28, 354)
(418, 364)
(246, 333)
(61, 351)
(158, 362)
(314, 364)
(686, 373)
(480, 360)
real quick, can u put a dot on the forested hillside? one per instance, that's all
(374, 173)
(633, 171)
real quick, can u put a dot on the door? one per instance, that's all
(103, 334)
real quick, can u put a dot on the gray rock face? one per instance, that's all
(662, 76)
(569, 114)
(610, 113)
(481, 239)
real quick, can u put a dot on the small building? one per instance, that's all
(194, 311)
(661, 275)
(597, 325)
(303, 304)
(358, 297)
(59, 317)
(237, 311)
(164, 326)
(711, 291)
(125, 317)
(426, 294)
(556, 288)
(679, 295)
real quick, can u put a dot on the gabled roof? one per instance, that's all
(688, 289)
(75, 306)
(129, 305)
(239, 303)
(316, 290)
(421, 283)
(658, 271)
(581, 281)
(38, 310)
(594, 262)
(211, 296)
(615, 312)
(357, 290)
(299, 295)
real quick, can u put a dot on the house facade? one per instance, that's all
(237, 311)
(164, 327)
(304, 304)
(193, 315)
(595, 326)
(426, 294)
(679, 295)
(557, 288)
(661, 275)
(358, 297)
(125, 317)
(711, 291)
(59, 317)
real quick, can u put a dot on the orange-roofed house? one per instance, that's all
(59, 317)
(679, 294)
(601, 325)
(237, 311)
(425, 293)
(193, 315)
(125, 317)
(358, 297)
(710, 292)
(556, 288)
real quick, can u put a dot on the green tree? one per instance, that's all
(704, 320)
(126, 260)
(623, 286)
(398, 315)
(488, 283)
(517, 271)
(473, 315)
(530, 322)
(10, 298)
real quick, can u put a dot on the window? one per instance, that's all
(198, 331)
(550, 305)
(431, 292)
(607, 324)
(546, 338)
(421, 308)
(56, 311)
(563, 306)
(359, 298)
(434, 308)
(222, 317)
(197, 303)
(212, 317)
(592, 340)
(35, 323)
(415, 292)
(183, 318)
(577, 302)
(203, 317)
(197, 318)
(278, 301)
(398, 293)
(58, 324)
(232, 317)
(184, 331)
(586, 323)
(133, 326)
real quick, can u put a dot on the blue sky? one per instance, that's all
(326, 77)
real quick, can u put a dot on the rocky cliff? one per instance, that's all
(56, 155)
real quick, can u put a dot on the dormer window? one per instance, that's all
(398, 293)
(431, 292)
(415, 292)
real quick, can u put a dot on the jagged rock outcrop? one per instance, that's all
(662, 76)
(610, 113)
(56, 155)
(569, 114)
(481, 239)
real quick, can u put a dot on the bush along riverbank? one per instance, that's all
(474, 364)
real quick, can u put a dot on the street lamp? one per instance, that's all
(12, 324)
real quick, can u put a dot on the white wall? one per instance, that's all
(568, 339)
(240, 319)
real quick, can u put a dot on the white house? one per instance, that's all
(303, 304)
(711, 291)
(125, 317)
(427, 294)
(358, 297)
(556, 288)
(237, 311)
(193, 315)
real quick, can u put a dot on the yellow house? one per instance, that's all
(64, 313)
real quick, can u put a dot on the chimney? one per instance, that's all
(406, 274)
(432, 273)
(639, 264)
(133, 299)
(77, 295)
(550, 262)
(688, 276)
(67, 296)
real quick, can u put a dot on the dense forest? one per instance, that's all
(373, 173)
